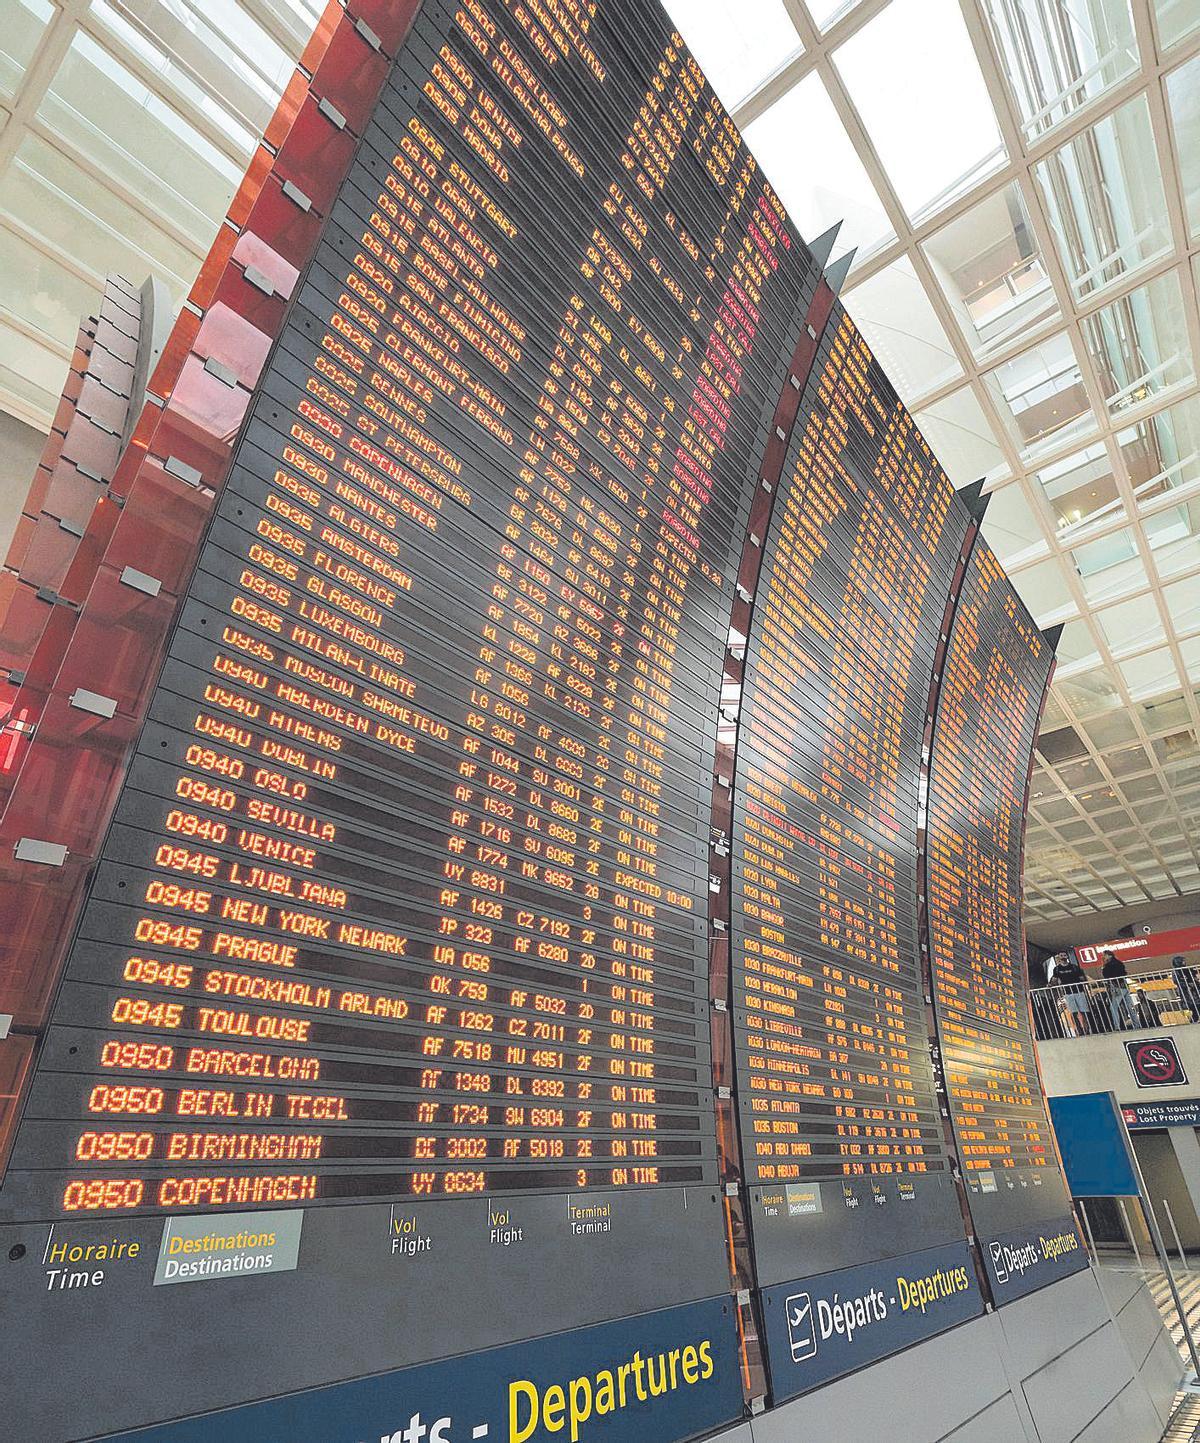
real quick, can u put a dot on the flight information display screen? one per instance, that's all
(406, 893)
(996, 670)
(841, 1133)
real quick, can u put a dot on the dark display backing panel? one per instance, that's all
(400, 929)
(844, 1150)
(995, 675)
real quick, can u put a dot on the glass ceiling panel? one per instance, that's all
(990, 270)
(1041, 396)
(1183, 605)
(913, 77)
(40, 290)
(1162, 453)
(1177, 19)
(1044, 590)
(1010, 525)
(1174, 537)
(1183, 97)
(1104, 197)
(1111, 730)
(112, 120)
(29, 372)
(820, 183)
(1056, 55)
(893, 311)
(1164, 716)
(738, 46)
(827, 13)
(200, 64)
(1150, 675)
(1139, 343)
(1077, 645)
(1081, 490)
(80, 219)
(1110, 566)
(24, 22)
(962, 438)
(1053, 716)
(1131, 625)
(1128, 762)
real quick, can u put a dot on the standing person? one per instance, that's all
(1187, 985)
(1047, 1018)
(1116, 985)
(1069, 975)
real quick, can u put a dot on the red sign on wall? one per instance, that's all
(1155, 944)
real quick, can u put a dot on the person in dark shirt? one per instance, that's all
(1116, 985)
(1069, 975)
(1187, 985)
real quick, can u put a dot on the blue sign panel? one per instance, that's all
(1030, 1258)
(822, 1327)
(668, 1375)
(1094, 1145)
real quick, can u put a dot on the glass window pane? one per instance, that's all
(893, 312)
(990, 268)
(1091, 693)
(1150, 675)
(1132, 624)
(1010, 525)
(24, 22)
(1081, 490)
(1162, 453)
(1104, 799)
(1139, 343)
(1183, 606)
(1111, 730)
(1041, 396)
(41, 291)
(101, 110)
(1175, 749)
(1128, 762)
(821, 182)
(1110, 566)
(83, 219)
(962, 438)
(913, 77)
(1104, 198)
(1044, 590)
(1183, 96)
(1077, 645)
(1166, 715)
(1053, 716)
(1174, 537)
(1176, 20)
(31, 372)
(738, 46)
(1059, 55)
(233, 56)
(826, 13)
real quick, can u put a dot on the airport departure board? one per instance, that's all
(990, 700)
(397, 977)
(402, 921)
(406, 892)
(841, 1133)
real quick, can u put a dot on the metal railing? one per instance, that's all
(1119, 1004)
